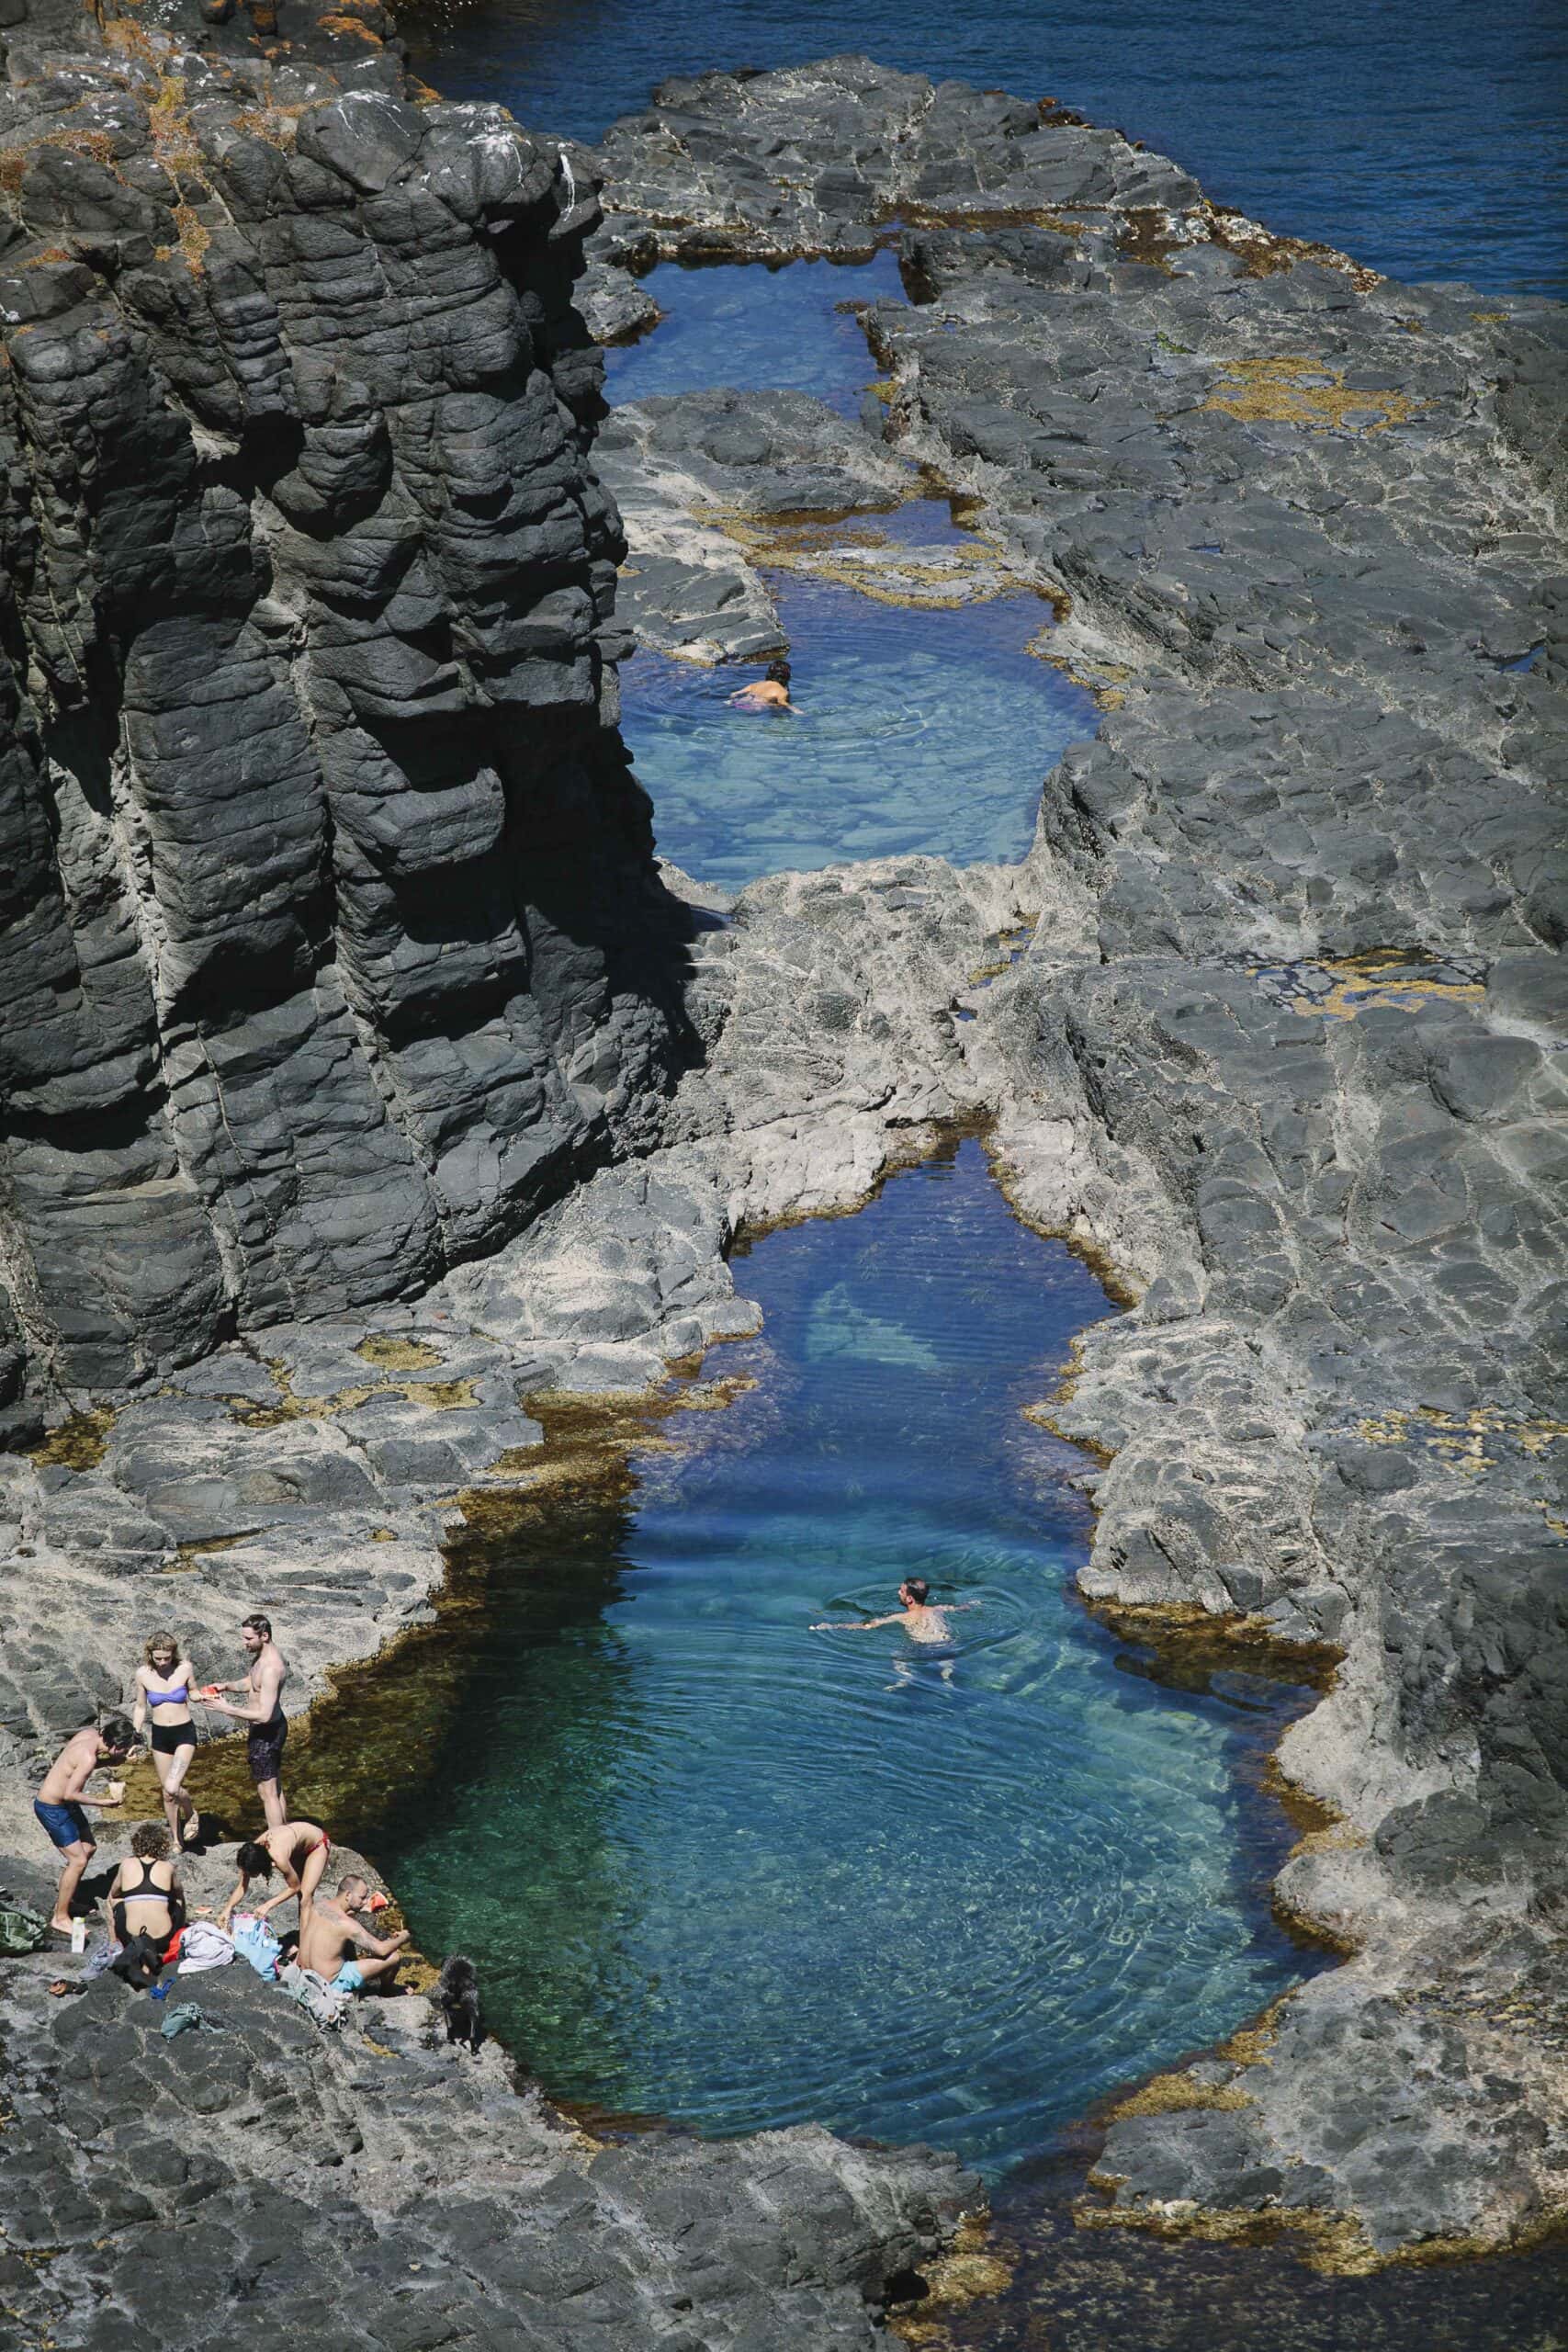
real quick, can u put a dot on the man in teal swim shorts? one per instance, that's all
(329, 1933)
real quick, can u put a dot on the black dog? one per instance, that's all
(458, 1997)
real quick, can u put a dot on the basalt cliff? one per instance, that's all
(366, 1076)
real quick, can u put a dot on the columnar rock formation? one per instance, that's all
(304, 528)
(331, 945)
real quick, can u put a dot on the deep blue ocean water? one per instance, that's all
(1430, 141)
(720, 1867)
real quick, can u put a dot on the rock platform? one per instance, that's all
(1283, 1047)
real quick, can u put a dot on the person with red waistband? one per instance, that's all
(297, 1850)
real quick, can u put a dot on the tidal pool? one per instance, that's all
(716, 1866)
(917, 730)
(757, 329)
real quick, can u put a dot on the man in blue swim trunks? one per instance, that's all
(60, 1803)
(333, 1943)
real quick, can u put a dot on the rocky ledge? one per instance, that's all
(1284, 1046)
(376, 2186)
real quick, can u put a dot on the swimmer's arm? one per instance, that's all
(859, 1624)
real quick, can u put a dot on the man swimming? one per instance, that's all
(768, 693)
(920, 1617)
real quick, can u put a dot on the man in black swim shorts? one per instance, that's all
(262, 1710)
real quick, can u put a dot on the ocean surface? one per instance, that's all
(718, 1866)
(1429, 141)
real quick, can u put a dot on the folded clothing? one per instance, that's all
(205, 1946)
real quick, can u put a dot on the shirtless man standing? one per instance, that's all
(922, 1619)
(328, 1934)
(60, 1801)
(297, 1851)
(263, 1710)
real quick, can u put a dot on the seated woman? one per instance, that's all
(163, 1686)
(297, 1850)
(146, 1897)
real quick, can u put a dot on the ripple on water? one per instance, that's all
(916, 731)
(718, 1866)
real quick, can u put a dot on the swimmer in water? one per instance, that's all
(771, 693)
(922, 1619)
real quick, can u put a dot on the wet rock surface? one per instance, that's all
(1284, 1043)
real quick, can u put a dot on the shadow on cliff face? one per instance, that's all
(335, 948)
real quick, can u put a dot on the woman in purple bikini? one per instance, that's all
(163, 1684)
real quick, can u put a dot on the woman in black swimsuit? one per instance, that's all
(164, 1685)
(146, 1897)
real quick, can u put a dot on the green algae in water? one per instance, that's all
(719, 1867)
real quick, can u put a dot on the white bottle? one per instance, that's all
(78, 1935)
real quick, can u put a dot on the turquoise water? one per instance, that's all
(1431, 142)
(757, 329)
(716, 1866)
(916, 730)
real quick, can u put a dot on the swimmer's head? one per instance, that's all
(916, 1590)
(778, 673)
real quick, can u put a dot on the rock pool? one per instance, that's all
(926, 730)
(716, 1866)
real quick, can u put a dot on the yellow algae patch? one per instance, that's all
(1266, 253)
(1175, 2094)
(77, 1444)
(398, 1355)
(1296, 388)
(969, 571)
(970, 2271)
(1106, 681)
(1460, 1433)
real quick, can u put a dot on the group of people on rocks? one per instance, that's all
(145, 1896)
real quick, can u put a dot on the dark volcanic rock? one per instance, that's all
(378, 2187)
(332, 945)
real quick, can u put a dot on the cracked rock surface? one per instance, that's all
(332, 945)
(376, 2186)
(1284, 1043)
